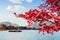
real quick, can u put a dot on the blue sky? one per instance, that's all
(7, 7)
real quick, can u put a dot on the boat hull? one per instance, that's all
(15, 31)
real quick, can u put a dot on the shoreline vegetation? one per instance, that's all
(10, 27)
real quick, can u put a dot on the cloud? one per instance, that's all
(29, 1)
(19, 7)
(19, 21)
(16, 1)
(11, 18)
(20, 1)
(9, 8)
(15, 8)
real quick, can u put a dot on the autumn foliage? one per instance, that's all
(47, 12)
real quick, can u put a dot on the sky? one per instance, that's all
(8, 7)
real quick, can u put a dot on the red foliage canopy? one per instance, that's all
(50, 12)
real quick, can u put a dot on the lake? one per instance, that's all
(28, 35)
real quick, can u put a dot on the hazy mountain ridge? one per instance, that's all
(9, 24)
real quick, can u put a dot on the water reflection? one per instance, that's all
(28, 35)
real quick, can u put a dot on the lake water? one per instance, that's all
(28, 35)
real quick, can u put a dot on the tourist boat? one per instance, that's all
(15, 31)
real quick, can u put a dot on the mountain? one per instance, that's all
(48, 23)
(35, 25)
(10, 24)
(15, 25)
(6, 23)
